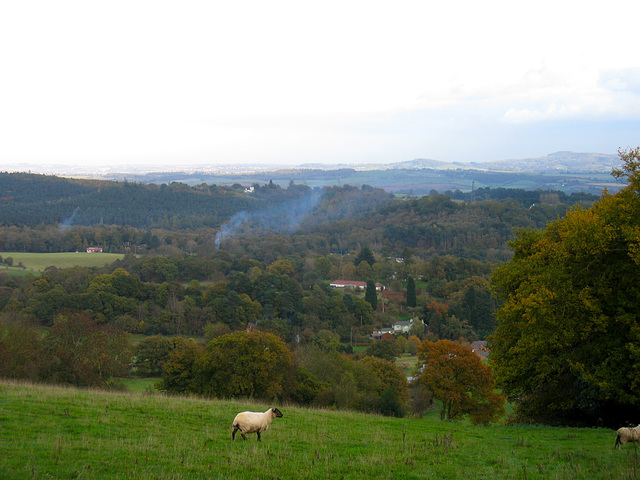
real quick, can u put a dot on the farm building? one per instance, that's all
(481, 348)
(382, 333)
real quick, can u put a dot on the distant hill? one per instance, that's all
(552, 163)
(559, 162)
(421, 163)
(566, 161)
(566, 171)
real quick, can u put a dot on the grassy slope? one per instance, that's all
(37, 262)
(51, 432)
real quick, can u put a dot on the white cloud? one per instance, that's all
(212, 81)
(585, 95)
(552, 111)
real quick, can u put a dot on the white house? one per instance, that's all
(404, 326)
(353, 284)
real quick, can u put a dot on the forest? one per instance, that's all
(271, 254)
(206, 264)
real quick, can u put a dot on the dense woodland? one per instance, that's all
(269, 253)
(212, 262)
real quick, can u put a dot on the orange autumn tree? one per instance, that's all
(457, 377)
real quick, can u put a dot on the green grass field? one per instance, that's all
(37, 262)
(140, 385)
(54, 432)
(407, 363)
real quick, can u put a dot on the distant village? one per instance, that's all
(479, 347)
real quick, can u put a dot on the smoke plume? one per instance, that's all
(68, 222)
(283, 218)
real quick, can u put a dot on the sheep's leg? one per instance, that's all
(244, 437)
(259, 437)
(233, 434)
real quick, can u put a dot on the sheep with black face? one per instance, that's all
(254, 422)
(625, 435)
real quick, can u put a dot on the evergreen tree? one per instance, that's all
(370, 294)
(365, 255)
(411, 292)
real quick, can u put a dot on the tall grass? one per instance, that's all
(54, 432)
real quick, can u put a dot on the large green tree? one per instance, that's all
(567, 346)
(178, 369)
(151, 353)
(246, 364)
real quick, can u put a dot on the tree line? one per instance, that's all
(79, 351)
(39, 211)
(185, 295)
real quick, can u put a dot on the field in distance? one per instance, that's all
(37, 262)
(55, 432)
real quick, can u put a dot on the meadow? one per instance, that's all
(56, 432)
(37, 262)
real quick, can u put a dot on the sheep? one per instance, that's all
(254, 422)
(625, 435)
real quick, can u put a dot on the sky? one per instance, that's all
(295, 82)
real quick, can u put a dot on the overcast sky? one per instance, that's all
(290, 82)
